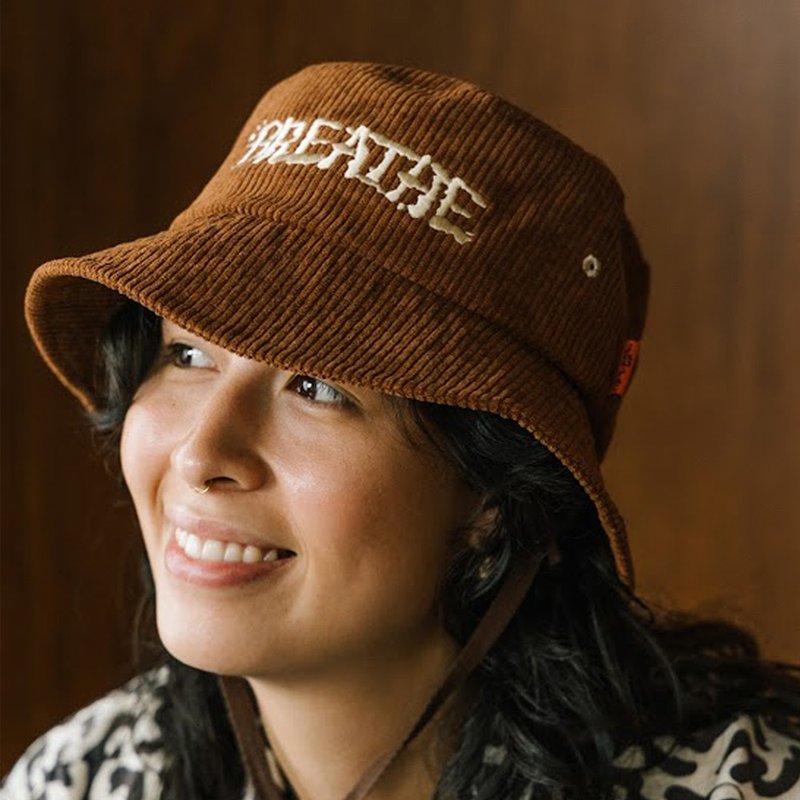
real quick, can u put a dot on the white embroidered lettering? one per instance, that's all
(345, 148)
(376, 175)
(289, 134)
(311, 139)
(258, 139)
(271, 140)
(378, 172)
(410, 181)
(360, 152)
(449, 203)
(418, 188)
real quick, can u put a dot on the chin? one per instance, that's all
(207, 642)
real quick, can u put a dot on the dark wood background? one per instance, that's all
(114, 114)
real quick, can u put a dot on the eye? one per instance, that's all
(313, 389)
(185, 356)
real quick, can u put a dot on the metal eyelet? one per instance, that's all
(591, 266)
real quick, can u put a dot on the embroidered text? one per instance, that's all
(417, 184)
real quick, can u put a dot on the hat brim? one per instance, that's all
(319, 309)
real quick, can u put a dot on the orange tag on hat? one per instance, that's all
(625, 370)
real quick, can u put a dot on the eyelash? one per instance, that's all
(175, 351)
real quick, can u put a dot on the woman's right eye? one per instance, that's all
(185, 356)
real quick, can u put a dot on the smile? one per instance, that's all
(200, 549)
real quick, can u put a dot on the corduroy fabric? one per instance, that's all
(345, 260)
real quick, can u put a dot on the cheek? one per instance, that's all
(382, 514)
(144, 456)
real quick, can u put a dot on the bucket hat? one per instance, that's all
(400, 230)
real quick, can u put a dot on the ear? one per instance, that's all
(481, 525)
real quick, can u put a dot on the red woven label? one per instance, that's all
(625, 370)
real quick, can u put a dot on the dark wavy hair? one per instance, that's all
(584, 670)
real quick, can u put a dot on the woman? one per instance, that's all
(360, 391)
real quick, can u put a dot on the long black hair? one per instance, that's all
(584, 670)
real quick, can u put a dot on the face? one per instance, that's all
(324, 533)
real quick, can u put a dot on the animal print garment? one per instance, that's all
(111, 750)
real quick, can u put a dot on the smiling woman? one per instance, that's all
(359, 392)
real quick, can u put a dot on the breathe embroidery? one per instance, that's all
(374, 160)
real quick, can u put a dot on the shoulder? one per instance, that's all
(112, 747)
(746, 758)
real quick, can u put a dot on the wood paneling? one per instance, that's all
(115, 114)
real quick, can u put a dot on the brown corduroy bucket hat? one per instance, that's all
(399, 230)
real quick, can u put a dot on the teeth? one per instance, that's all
(214, 550)
(194, 547)
(233, 552)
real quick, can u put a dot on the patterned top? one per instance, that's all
(113, 749)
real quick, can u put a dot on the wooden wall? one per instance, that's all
(115, 114)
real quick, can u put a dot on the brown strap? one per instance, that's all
(245, 721)
(250, 737)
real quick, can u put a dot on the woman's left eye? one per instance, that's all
(313, 389)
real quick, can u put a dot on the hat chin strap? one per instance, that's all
(246, 722)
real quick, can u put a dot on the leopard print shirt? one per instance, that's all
(112, 749)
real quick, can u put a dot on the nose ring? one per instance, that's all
(203, 488)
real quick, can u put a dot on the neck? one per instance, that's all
(327, 730)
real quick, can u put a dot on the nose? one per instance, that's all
(221, 445)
